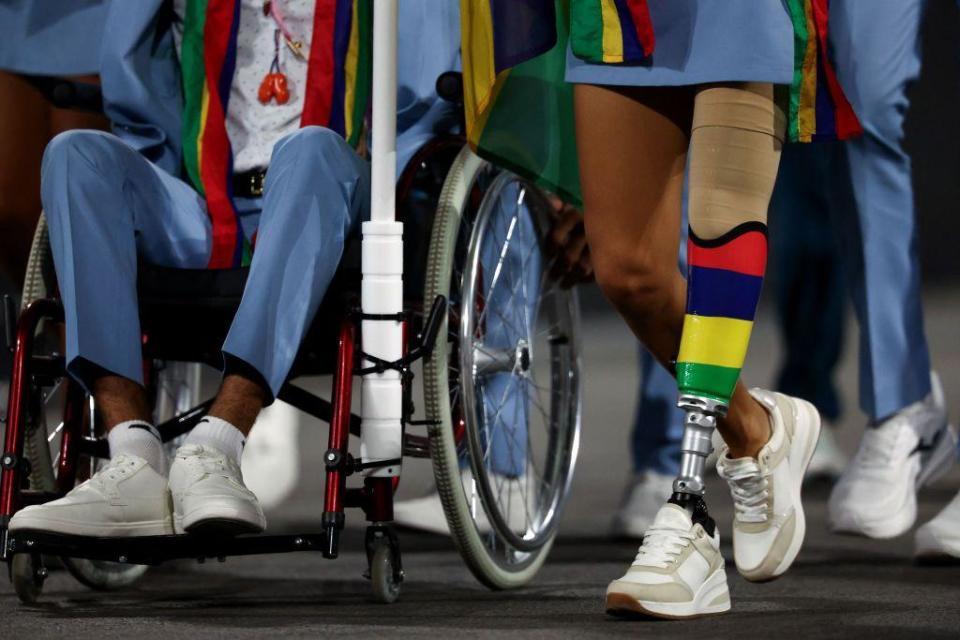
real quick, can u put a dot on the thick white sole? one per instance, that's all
(712, 598)
(220, 516)
(31, 522)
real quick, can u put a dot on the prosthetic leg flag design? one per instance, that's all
(724, 278)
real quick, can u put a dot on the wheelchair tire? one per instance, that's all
(500, 554)
(383, 581)
(38, 283)
(27, 574)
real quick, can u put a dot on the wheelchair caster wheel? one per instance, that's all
(385, 578)
(28, 575)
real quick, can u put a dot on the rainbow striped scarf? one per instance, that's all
(724, 278)
(620, 31)
(817, 107)
(611, 31)
(337, 95)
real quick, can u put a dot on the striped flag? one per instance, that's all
(611, 31)
(519, 110)
(817, 107)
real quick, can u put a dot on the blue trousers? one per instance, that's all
(107, 205)
(808, 283)
(877, 53)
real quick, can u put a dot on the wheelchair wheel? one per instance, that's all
(177, 387)
(502, 390)
(27, 574)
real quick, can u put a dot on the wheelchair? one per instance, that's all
(461, 215)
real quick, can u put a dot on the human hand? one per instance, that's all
(567, 248)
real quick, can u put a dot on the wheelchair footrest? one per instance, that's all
(158, 549)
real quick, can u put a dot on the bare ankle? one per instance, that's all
(120, 400)
(747, 430)
(239, 402)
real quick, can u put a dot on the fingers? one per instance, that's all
(566, 245)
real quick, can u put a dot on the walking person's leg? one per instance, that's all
(907, 440)
(632, 223)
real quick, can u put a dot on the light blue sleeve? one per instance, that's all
(429, 45)
(51, 37)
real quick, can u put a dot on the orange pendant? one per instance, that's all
(274, 87)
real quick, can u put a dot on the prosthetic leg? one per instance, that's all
(734, 154)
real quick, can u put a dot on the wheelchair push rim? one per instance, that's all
(518, 360)
(500, 553)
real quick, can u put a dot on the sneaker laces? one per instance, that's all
(114, 470)
(748, 486)
(662, 546)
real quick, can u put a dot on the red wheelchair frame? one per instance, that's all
(374, 497)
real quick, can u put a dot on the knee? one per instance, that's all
(314, 165)
(634, 280)
(311, 147)
(84, 143)
(97, 152)
(85, 159)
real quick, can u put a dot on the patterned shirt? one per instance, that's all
(253, 127)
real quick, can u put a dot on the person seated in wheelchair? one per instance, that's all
(216, 160)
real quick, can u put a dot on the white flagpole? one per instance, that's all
(382, 288)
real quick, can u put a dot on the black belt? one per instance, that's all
(249, 184)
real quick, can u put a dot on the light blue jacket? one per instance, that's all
(142, 90)
(51, 37)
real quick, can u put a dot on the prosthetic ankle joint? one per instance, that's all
(698, 425)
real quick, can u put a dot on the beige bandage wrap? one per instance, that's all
(735, 145)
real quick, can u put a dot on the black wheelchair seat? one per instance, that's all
(185, 314)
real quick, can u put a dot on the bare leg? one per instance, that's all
(27, 123)
(24, 127)
(633, 148)
(120, 400)
(239, 402)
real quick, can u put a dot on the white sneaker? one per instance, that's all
(209, 495)
(769, 524)
(877, 494)
(828, 460)
(642, 499)
(125, 498)
(678, 572)
(426, 513)
(939, 539)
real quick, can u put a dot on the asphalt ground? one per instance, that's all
(840, 587)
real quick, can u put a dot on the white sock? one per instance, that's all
(220, 435)
(140, 439)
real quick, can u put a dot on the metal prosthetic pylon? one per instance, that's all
(699, 424)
